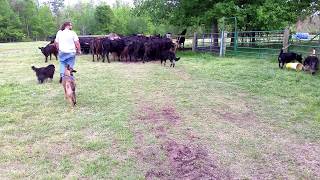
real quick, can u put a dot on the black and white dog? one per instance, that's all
(44, 73)
(284, 58)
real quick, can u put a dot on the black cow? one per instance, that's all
(181, 39)
(85, 43)
(49, 50)
(96, 48)
(288, 57)
(112, 46)
(311, 63)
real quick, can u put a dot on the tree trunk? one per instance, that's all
(215, 31)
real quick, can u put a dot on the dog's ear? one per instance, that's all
(68, 66)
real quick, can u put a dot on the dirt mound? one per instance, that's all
(172, 158)
(187, 162)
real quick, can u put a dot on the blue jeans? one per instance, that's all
(65, 59)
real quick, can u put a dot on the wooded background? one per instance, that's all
(26, 20)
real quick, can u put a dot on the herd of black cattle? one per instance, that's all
(142, 48)
(127, 48)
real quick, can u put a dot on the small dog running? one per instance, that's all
(69, 85)
(168, 55)
(44, 73)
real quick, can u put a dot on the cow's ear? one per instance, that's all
(39, 47)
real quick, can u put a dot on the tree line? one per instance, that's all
(26, 20)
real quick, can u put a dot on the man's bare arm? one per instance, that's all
(56, 44)
(78, 48)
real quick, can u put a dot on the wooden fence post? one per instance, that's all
(285, 43)
(194, 42)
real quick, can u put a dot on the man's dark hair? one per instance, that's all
(64, 25)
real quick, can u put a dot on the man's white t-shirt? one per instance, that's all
(66, 39)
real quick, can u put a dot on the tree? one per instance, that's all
(158, 10)
(10, 26)
(84, 20)
(104, 17)
(46, 22)
(56, 5)
(27, 11)
(122, 17)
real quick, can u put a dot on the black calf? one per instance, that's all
(49, 50)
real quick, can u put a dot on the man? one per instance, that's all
(67, 42)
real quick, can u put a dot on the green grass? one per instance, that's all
(253, 118)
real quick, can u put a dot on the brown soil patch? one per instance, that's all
(170, 158)
(167, 114)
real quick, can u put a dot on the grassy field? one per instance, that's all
(222, 118)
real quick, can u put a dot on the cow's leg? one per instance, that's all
(46, 59)
(103, 56)
(108, 57)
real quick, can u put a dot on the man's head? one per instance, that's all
(66, 25)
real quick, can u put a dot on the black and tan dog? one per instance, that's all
(44, 73)
(69, 85)
(284, 58)
(164, 55)
(311, 63)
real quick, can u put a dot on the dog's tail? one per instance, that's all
(281, 51)
(34, 68)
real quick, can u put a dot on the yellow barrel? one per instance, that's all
(295, 66)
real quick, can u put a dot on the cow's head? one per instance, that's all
(41, 48)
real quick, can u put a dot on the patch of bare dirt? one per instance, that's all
(167, 114)
(171, 159)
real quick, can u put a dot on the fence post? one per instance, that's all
(194, 42)
(222, 44)
(225, 36)
(286, 40)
